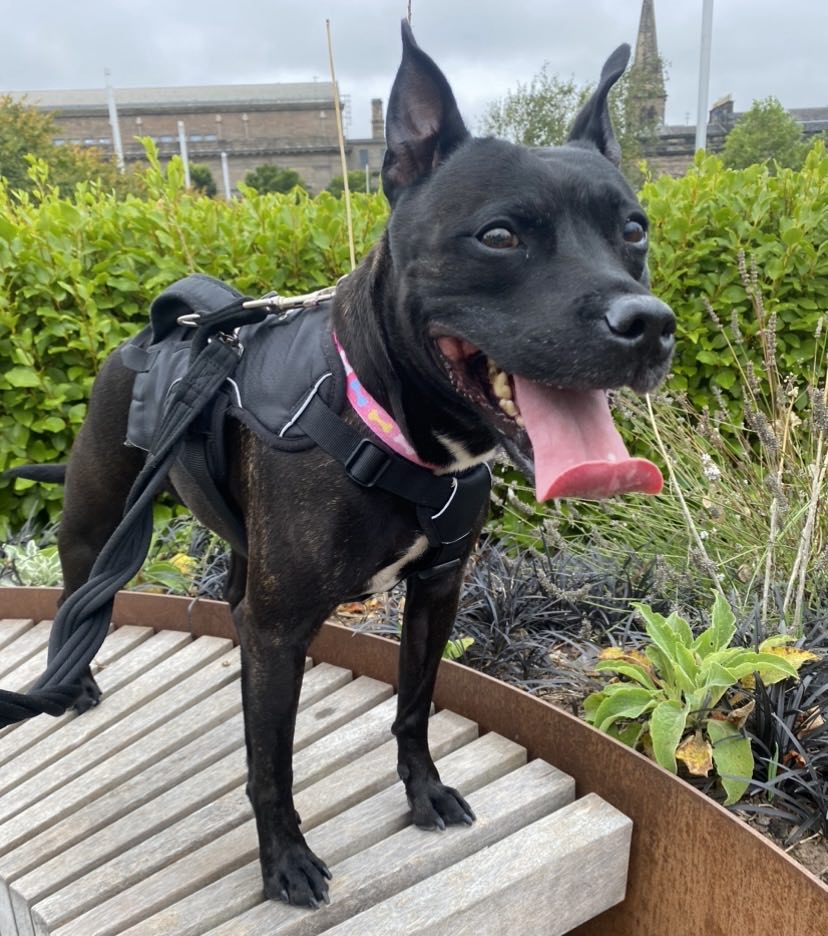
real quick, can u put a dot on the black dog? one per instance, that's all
(508, 292)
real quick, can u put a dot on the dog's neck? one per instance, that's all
(362, 333)
(375, 416)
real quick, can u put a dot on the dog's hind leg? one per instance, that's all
(99, 474)
(430, 608)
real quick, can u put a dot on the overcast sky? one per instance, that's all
(485, 47)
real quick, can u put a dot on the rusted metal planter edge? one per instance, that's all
(695, 867)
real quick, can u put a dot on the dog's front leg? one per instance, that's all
(430, 608)
(273, 661)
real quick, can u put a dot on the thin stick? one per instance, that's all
(675, 485)
(341, 149)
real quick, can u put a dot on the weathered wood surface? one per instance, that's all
(132, 820)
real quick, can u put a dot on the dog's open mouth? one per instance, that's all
(565, 439)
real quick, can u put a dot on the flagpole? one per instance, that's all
(704, 74)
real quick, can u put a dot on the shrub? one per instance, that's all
(680, 699)
(77, 277)
(699, 225)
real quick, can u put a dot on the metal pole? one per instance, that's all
(113, 123)
(182, 148)
(225, 174)
(704, 74)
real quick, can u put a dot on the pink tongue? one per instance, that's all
(577, 450)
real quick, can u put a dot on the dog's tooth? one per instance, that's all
(500, 385)
(509, 408)
(520, 422)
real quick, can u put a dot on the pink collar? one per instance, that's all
(375, 417)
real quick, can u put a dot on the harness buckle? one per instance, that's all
(367, 463)
(232, 341)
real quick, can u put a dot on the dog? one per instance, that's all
(507, 294)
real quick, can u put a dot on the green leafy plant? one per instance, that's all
(77, 276)
(30, 564)
(456, 647)
(699, 224)
(681, 699)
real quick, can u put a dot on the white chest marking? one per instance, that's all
(463, 459)
(389, 576)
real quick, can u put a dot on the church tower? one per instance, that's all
(650, 94)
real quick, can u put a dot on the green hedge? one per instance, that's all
(699, 225)
(77, 277)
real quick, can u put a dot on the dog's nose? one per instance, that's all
(642, 322)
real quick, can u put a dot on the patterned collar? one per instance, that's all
(375, 417)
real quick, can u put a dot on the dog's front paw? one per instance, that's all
(435, 805)
(298, 877)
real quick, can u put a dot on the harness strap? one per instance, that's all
(447, 505)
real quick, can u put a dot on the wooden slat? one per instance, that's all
(468, 768)
(57, 814)
(190, 815)
(410, 855)
(149, 893)
(541, 881)
(12, 628)
(87, 838)
(119, 641)
(137, 823)
(25, 736)
(75, 749)
(27, 644)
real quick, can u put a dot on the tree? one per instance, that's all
(271, 178)
(537, 114)
(23, 131)
(202, 179)
(356, 183)
(541, 113)
(766, 132)
(26, 132)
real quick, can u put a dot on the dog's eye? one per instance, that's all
(635, 233)
(499, 238)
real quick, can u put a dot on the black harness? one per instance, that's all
(289, 388)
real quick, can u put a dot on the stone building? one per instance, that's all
(291, 125)
(670, 148)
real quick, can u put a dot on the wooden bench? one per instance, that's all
(132, 819)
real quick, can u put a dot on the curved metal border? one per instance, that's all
(695, 867)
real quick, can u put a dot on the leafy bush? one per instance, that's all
(699, 225)
(672, 700)
(269, 178)
(77, 277)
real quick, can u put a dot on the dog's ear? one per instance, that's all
(423, 124)
(593, 124)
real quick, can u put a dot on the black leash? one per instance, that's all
(82, 621)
